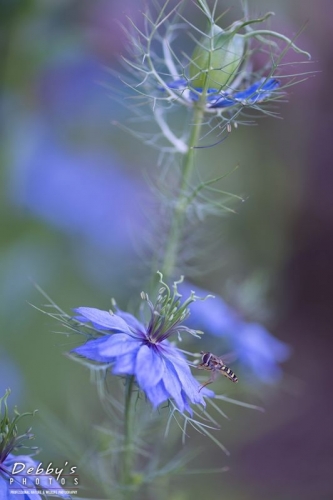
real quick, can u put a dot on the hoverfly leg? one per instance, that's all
(207, 383)
(210, 381)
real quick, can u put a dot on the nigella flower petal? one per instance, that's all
(261, 351)
(169, 351)
(258, 91)
(103, 319)
(118, 344)
(187, 407)
(149, 367)
(125, 364)
(91, 350)
(4, 493)
(220, 101)
(28, 490)
(44, 479)
(173, 386)
(267, 89)
(212, 94)
(189, 384)
(246, 93)
(207, 392)
(132, 322)
(180, 84)
(267, 346)
(270, 85)
(157, 394)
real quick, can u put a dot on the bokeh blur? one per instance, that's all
(73, 214)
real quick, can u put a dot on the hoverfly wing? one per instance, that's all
(228, 358)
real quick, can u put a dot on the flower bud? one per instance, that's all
(217, 58)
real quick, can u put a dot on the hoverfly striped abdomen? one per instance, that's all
(229, 373)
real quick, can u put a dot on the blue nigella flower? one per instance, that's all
(13, 468)
(144, 350)
(260, 351)
(19, 464)
(256, 93)
(71, 179)
(256, 348)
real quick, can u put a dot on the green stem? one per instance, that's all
(127, 462)
(178, 219)
(289, 42)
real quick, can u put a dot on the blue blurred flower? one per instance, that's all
(256, 93)
(160, 369)
(260, 351)
(13, 468)
(67, 90)
(67, 174)
(256, 348)
(29, 489)
(64, 171)
(83, 192)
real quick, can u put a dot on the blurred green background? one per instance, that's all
(72, 188)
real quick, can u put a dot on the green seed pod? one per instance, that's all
(218, 56)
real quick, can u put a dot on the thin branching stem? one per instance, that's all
(170, 256)
(128, 458)
(179, 215)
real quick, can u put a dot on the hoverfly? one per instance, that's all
(215, 365)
